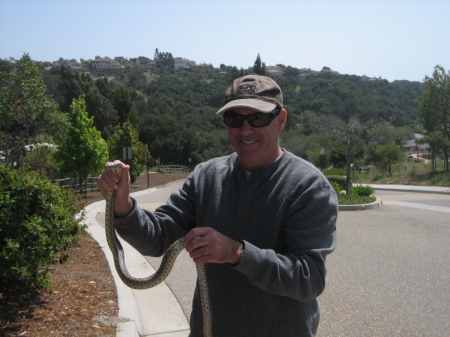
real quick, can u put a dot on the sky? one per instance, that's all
(391, 39)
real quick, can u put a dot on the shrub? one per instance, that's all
(340, 180)
(159, 169)
(362, 191)
(37, 226)
(336, 186)
(440, 178)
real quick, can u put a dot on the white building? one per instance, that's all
(105, 63)
(182, 63)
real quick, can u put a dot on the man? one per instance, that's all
(261, 219)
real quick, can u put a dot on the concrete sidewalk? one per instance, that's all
(410, 188)
(156, 311)
(149, 312)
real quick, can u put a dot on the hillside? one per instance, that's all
(174, 111)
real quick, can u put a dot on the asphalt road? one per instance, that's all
(431, 201)
(389, 276)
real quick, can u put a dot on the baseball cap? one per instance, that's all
(257, 92)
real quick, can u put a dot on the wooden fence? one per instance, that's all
(89, 185)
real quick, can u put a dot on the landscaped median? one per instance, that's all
(360, 199)
(361, 207)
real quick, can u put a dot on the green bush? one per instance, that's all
(336, 186)
(159, 169)
(37, 226)
(340, 180)
(362, 191)
(440, 178)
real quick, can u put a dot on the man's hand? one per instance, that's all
(206, 245)
(110, 181)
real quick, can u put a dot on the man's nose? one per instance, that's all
(246, 128)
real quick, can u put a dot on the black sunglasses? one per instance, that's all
(256, 120)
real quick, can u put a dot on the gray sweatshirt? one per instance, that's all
(286, 216)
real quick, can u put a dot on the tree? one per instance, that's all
(436, 142)
(101, 97)
(69, 87)
(259, 68)
(350, 136)
(234, 74)
(164, 60)
(434, 109)
(101, 108)
(121, 101)
(384, 156)
(83, 150)
(26, 111)
(173, 141)
(127, 135)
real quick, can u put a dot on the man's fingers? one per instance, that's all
(198, 250)
(196, 235)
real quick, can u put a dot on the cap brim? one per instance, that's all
(255, 104)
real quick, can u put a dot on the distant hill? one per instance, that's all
(163, 103)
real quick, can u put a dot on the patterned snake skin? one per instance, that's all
(166, 263)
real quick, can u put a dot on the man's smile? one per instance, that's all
(248, 142)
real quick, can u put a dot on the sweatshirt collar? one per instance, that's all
(263, 172)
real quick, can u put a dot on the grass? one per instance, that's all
(408, 173)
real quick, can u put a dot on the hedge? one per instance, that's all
(37, 225)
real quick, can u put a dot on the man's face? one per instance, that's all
(257, 147)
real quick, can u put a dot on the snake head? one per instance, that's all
(115, 166)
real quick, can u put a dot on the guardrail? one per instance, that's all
(89, 185)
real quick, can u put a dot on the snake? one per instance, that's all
(165, 267)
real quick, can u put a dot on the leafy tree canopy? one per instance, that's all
(434, 110)
(174, 111)
(127, 135)
(26, 111)
(83, 150)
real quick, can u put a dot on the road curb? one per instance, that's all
(410, 188)
(127, 326)
(373, 205)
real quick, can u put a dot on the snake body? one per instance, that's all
(166, 264)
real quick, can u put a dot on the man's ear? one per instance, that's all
(282, 117)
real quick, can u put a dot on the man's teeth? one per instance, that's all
(248, 142)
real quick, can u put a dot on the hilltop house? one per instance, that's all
(182, 63)
(144, 62)
(74, 64)
(104, 63)
(274, 71)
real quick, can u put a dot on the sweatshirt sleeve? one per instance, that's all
(152, 233)
(309, 233)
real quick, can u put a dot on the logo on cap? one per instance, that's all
(246, 89)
